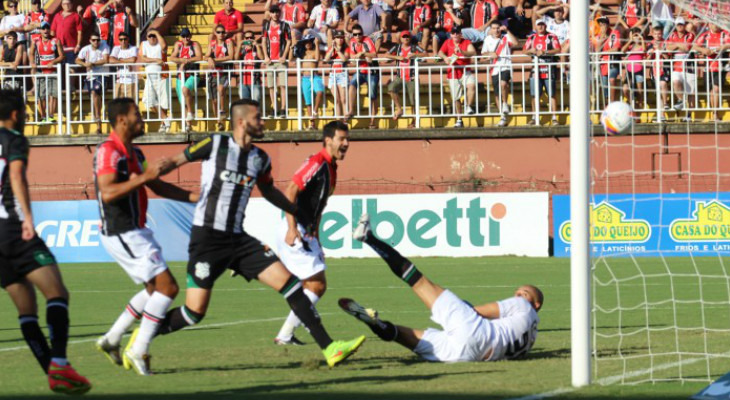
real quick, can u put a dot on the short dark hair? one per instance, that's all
(117, 107)
(10, 100)
(332, 127)
(358, 27)
(12, 34)
(243, 102)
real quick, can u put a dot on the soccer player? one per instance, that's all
(232, 165)
(27, 263)
(297, 241)
(121, 174)
(502, 330)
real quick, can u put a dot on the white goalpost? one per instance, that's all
(580, 134)
(652, 305)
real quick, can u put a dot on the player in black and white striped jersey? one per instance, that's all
(232, 165)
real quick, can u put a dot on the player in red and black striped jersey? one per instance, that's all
(121, 174)
(27, 263)
(298, 238)
(232, 165)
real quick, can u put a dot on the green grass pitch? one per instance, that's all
(231, 353)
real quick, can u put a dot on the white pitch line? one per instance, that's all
(610, 380)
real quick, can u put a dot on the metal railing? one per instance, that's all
(656, 86)
(42, 92)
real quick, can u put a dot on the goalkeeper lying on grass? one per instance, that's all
(501, 330)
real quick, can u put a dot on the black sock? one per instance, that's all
(305, 311)
(57, 320)
(400, 265)
(36, 340)
(178, 318)
(385, 330)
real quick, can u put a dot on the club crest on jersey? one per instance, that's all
(235, 178)
(202, 270)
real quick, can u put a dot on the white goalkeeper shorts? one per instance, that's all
(305, 258)
(466, 335)
(137, 252)
(688, 80)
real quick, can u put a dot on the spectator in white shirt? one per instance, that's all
(14, 22)
(157, 93)
(126, 78)
(323, 19)
(94, 56)
(497, 48)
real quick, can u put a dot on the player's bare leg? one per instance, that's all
(280, 279)
(314, 288)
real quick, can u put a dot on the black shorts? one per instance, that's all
(18, 257)
(501, 76)
(211, 252)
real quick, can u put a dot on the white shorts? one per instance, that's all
(298, 260)
(466, 335)
(458, 86)
(157, 93)
(137, 252)
(688, 79)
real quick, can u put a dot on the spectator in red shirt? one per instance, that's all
(608, 44)
(422, 18)
(98, 13)
(33, 21)
(457, 53)
(446, 20)
(123, 20)
(712, 44)
(67, 28)
(633, 75)
(483, 12)
(276, 44)
(544, 46)
(660, 69)
(362, 49)
(632, 14)
(296, 16)
(403, 84)
(684, 78)
(232, 19)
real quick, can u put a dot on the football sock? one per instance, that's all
(179, 318)
(153, 314)
(303, 308)
(292, 321)
(133, 312)
(57, 320)
(36, 340)
(400, 265)
(385, 330)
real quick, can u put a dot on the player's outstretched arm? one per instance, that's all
(168, 165)
(172, 192)
(488, 311)
(19, 184)
(276, 197)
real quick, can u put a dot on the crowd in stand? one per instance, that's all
(351, 40)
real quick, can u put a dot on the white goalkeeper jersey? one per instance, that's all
(515, 331)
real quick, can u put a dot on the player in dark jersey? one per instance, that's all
(26, 264)
(297, 241)
(121, 174)
(232, 165)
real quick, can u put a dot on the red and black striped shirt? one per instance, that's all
(129, 212)
(316, 179)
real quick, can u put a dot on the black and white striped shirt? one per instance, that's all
(228, 175)
(13, 146)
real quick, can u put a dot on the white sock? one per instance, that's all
(154, 313)
(292, 321)
(131, 313)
